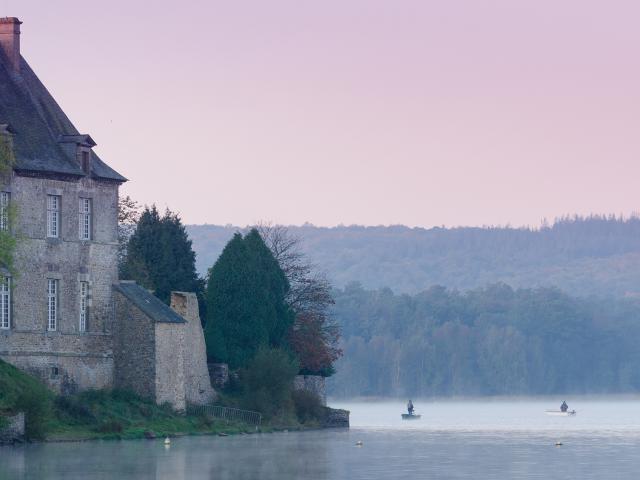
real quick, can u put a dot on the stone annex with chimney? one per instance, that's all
(65, 317)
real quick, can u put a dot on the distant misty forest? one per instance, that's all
(488, 341)
(478, 311)
(582, 256)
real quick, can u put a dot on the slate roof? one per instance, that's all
(39, 124)
(148, 303)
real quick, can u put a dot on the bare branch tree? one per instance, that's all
(128, 215)
(315, 334)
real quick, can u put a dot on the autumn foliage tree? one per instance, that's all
(314, 341)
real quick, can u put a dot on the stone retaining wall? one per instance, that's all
(14, 431)
(197, 385)
(336, 418)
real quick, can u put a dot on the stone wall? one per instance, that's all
(14, 430)
(134, 349)
(198, 390)
(66, 258)
(336, 418)
(66, 373)
(169, 359)
(312, 383)
(82, 359)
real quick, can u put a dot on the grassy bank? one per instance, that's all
(116, 414)
(20, 392)
(124, 415)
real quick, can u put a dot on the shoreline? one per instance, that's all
(63, 433)
(161, 436)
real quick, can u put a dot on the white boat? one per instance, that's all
(410, 416)
(560, 413)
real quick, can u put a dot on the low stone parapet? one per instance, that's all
(13, 431)
(336, 418)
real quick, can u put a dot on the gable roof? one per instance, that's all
(39, 124)
(150, 305)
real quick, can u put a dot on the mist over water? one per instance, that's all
(600, 415)
(501, 439)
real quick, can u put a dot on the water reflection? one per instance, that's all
(284, 455)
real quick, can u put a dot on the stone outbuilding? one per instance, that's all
(158, 353)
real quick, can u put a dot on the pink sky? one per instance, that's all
(455, 112)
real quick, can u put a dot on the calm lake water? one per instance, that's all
(453, 440)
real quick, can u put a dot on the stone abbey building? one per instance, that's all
(64, 315)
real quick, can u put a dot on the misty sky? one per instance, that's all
(454, 112)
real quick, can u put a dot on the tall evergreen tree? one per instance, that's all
(159, 255)
(245, 300)
(274, 285)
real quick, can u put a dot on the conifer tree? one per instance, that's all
(160, 257)
(245, 300)
(278, 316)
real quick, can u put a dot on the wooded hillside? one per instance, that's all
(583, 256)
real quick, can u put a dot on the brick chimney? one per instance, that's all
(10, 41)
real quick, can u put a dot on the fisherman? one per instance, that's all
(410, 407)
(564, 407)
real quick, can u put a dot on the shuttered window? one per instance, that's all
(5, 302)
(5, 197)
(52, 304)
(84, 300)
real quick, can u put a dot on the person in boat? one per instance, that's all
(564, 407)
(410, 407)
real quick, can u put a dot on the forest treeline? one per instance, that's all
(581, 255)
(488, 341)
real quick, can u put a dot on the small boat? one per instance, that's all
(410, 416)
(560, 413)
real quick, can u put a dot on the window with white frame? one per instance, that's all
(5, 302)
(84, 301)
(52, 304)
(4, 210)
(53, 216)
(85, 219)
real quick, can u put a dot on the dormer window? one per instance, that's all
(86, 165)
(78, 146)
